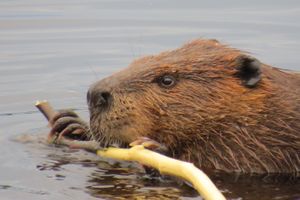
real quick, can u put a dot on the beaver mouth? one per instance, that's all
(110, 130)
(113, 121)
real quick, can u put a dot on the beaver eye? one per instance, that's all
(167, 81)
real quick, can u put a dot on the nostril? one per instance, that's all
(104, 98)
(100, 99)
(88, 96)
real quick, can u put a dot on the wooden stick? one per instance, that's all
(165, 165)
(169, 166)
(46, 109)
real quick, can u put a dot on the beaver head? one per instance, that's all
(202, 101)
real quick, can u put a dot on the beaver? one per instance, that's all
(205, 103)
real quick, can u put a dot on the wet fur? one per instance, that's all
(209, 117)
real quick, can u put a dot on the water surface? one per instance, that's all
(55, 49)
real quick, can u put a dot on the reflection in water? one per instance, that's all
(115, 180)
(258, 187)
(22, 189)
(122, 180)
(132, 185)
(128, 186)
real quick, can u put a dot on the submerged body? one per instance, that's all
(205, 103)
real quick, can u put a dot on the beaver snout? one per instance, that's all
(99, 98)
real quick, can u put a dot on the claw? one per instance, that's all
(63, 113)
(69, 131)
(66, 124)
(150, 144)
(63, 122)
(139, 141)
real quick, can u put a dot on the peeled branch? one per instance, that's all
(165, 165)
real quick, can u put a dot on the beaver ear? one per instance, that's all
(249, 70)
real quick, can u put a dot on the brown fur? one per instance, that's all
(209, 117)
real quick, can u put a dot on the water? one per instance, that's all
(55, 49)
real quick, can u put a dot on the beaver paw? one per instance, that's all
(154, 146)
(162, 149)
(66, 123)
(150, 144)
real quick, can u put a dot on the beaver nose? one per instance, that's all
(99, 98)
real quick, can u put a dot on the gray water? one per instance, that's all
(54, 49)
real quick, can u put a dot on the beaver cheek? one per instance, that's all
(129, 134)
